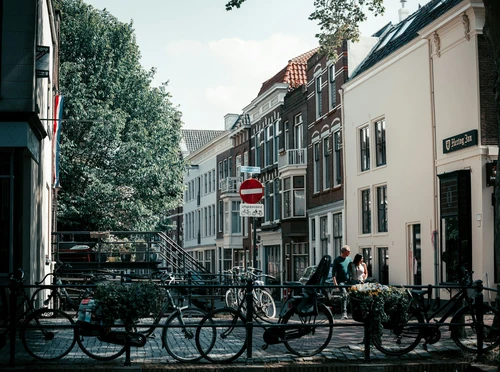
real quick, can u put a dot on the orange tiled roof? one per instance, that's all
(294, 74)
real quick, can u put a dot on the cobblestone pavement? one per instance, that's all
(346, 346)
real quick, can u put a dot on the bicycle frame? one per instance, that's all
(452, 305)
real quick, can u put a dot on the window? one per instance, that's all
(238, 165)
(319, 103)
(220, 213)
(383, 269)
(323, 230)
(257, 150)
(337, 234)
(213, 180)
(287, 197)
(337, 167)
(235, 217)
(287, 135)
(298, 131)
(230, 167)
(299, 196)
(205, 215)
(276, 141)
(367, 257)
(382, 208)
(226, 216)
(365, 212)
(206, 183)
(220, 173)
(294, 202)
(268, 160)
(332, 88)
(364, 142)
(313, 229)
(316, 166)
(209, 220)
(380, 142)
(268, 201)
(326, 163)
(224, 169)
(210, 181)
(277, 199)
(213, 219)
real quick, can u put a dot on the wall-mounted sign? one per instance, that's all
(42, 61)
(491, 174)
(460, 141)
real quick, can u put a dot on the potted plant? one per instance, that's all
(125, 248)
(379, 304)
(140, 250)
(127, 302)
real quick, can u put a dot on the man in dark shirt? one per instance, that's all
(340, 274)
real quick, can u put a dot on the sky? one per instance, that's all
(214, 60)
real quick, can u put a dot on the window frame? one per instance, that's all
(365, 203)
(380, 143)
(332, 86)
(382, 219)
(364, 148)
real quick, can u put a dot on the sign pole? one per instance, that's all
(254, 242)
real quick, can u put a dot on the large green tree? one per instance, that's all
(340, 19)
(120, 158)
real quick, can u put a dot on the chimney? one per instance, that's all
(403, 12)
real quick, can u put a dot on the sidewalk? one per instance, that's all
(345, 353)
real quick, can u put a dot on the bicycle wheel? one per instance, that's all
(313, 332)
(92, 345)
(221, 336)
(399, 339)
(48, 339)
(266, 304)
(465, 335)
(179, 335)
(231, 298)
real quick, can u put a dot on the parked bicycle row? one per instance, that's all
(111, 318)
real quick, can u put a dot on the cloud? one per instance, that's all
(228, 72)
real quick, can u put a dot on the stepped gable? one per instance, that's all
(294, 74)
(395, 37)
(196, 138)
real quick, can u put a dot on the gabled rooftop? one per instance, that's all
(395, 37)
(294, 74)
(194, 139)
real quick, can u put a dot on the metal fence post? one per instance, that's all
(13, 322)
(249, 316)
(480, 317)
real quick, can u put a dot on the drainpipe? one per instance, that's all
(435, 235)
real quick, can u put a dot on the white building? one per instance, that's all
(29, 83)
(419, 129)
(200, 195)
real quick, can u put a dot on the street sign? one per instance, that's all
(251, 191)
(251, 210)
(248, 169)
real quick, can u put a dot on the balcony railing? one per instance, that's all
(230, 184)
(293, 157)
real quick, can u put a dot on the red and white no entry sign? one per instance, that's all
(251, 191)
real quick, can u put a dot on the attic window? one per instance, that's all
(387, 39)
(404, 27)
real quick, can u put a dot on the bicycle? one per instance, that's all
(399, 339)
(263, 302)
(58, 296)
(177, 336)
(42, 338)
(304, 325)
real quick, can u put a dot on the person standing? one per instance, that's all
(340, 274)
(358, 270)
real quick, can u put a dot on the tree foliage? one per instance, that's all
(120, 162)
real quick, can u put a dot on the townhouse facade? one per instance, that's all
(391, 148)
(29, 85)
(200, 150)
(419, 144)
